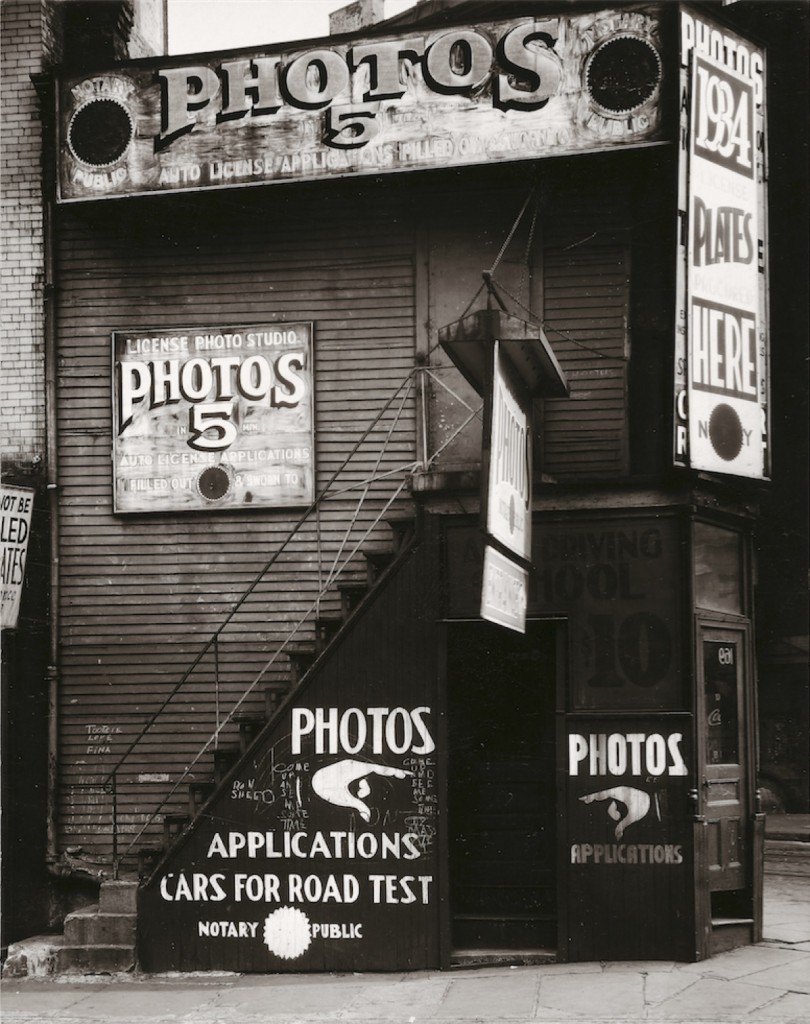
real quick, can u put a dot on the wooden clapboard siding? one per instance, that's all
(140, 595)
(586, 295)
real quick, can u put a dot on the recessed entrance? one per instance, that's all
(501, 788)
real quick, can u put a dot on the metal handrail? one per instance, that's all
(302, 519)
(110, 782)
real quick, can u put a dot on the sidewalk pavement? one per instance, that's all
(764, 984)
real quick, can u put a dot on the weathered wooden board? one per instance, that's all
(498, 91)
(141, 594)
(613, 580)
(628, 842)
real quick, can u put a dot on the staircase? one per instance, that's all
(98, 939)
(101, 938)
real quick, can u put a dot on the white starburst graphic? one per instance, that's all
(287, 933)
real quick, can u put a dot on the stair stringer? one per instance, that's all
(303, 859)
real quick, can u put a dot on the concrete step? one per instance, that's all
(502, 957)
(94, 959)
(89, 927)
(118, 897)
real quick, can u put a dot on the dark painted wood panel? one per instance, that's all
(387, 659)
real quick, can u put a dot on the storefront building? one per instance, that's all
(278, 700)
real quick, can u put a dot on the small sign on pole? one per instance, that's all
(504, 591)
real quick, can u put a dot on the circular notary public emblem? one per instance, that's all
(623, 73)
(100, 132)
(287, 933)
(214, 482)
(725, 432)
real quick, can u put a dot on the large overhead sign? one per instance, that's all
(497, 91)
(213, 418)
(722, 373)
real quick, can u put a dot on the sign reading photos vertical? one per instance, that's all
(721, 383)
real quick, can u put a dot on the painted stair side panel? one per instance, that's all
(318, 851)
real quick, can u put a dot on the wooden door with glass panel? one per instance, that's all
(724, 728)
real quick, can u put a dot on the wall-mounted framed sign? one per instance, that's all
(515, 89)
(16, 512)
(209, 418)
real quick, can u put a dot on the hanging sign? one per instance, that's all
(723, 406)
(507, 498)
(508, 517)
(16, 511)
(213, 418)
(504, 591)
(518, 89)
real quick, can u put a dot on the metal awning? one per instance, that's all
(468, 342)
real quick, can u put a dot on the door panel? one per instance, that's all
(501, 786)
(725, 769)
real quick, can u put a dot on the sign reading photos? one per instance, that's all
(213, 418)
(516, 89)
(507, 504)
(721, 347)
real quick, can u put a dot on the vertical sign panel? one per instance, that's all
(16, 509)
(723, 407)
(213, 418)
(628, 837)
(504, 591)
(509, 478)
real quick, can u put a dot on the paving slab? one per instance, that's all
(642, 966)
(281, 1000)
(554, 970)
(793, 976)
(606, 997)
(404, 1001)
(737, 963)
(713, 999)
(510, 994)
(37, 999)
(790, 1008)
(115, 1005)
(660, 987)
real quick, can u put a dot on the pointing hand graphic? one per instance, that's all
(332, 783)
(636, 802)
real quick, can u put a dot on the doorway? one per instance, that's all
(501, 786)
(725, 774)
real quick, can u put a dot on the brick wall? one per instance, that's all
(32, 37)
(27, 39)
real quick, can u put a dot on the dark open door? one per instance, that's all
(723, 722)
(501, 789)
